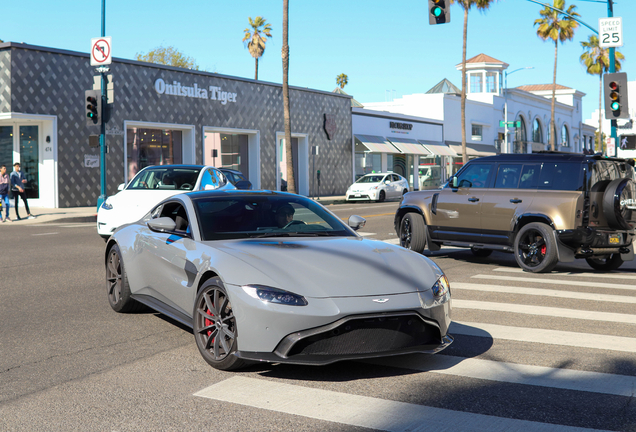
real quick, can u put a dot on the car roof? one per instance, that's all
(545, 156)
(174, 166)
(230, 170)
(197, 195)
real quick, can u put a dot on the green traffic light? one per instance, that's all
(615, 106)
(437, 11)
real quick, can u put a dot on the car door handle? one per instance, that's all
(473, 199)
(515, 201)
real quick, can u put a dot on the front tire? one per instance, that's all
(535, 248)
(607, 263)
(215, 327)
(381, 196)
(413, 232)
(117, 286)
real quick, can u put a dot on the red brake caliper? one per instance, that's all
(209, 322)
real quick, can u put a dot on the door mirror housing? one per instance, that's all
(454, 181)
(243, 184)
(162, 224)
(121, 187)
(356, 222)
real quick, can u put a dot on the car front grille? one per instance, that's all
(362, 335)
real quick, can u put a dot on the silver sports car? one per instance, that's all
(276, 277)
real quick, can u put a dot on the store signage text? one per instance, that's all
(404, 126)
(212, 93)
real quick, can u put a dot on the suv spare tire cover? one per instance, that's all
(619, 204)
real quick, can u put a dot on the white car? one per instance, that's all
(378, 187)
(150, 186)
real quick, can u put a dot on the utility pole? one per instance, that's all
(102, 134)
(612, 69)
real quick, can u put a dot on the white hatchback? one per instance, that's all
(378, 187)
(150, 186)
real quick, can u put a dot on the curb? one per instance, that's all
(75, 219)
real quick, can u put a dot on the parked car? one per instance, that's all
(544, 207)
(236, 178)
(276, 277)
(151, 185)
(378, 187)
(430, 177)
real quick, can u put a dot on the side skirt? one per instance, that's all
(163, 308)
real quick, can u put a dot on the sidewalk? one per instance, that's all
(89, 214)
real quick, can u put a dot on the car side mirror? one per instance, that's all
(162, 224)
(454, 182)
(243, 184)
(387, 181)
(356, 222)
(121, 187)
(210, 187)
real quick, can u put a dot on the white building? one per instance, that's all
(485, 106)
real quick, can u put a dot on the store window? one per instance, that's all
(368, 163)
(537, 135)
(146, 147)
(565, 136)
(476, 83)
(476, 132)
(491, 82)
(30, 159)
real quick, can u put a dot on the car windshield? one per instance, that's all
(236, 217)
(370, 179)
(182, 178)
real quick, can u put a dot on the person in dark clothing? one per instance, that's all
(18, 182)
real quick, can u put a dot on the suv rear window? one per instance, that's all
(561, 176)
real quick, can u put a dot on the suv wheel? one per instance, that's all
(605, 263)
(412, 232)
(535, 248)
(381, 196)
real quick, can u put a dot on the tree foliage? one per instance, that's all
(256, 37)
(342, 80)
(168, 56)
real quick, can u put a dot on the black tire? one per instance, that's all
(214, 327)
(413, 232)
(618, 202)
(405, 191)
(481, 253)
(535, 248)
(606, 263)
(117, 286)
(381, 196)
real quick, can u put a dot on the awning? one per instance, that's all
(473, 149)
(438, 148)
(376, 144)
(409, 146)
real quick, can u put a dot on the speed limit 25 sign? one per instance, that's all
(610, 32)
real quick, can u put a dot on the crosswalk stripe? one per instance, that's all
(557, 282)
(568, 379)
(545, 311)
(362, 411)
(543, 292)
(615, 275)
(545, 336)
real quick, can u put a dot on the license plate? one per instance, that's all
(615, 239)
(357, 195)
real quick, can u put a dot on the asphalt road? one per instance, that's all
(531, 352)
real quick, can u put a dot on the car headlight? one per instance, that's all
(441, 287)
(274, 295)
(107, 206)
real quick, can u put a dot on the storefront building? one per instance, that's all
(160, 115)
(410, 146)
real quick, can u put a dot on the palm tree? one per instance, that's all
(597, 62)
(256, 33)
(557, 28)
(481, 5)
(289, 160)
(342, 80)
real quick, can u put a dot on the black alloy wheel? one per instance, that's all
(606, 262)
(381, 196)
(412, 232)
(117, 286)
(535, 248)
(215, 327)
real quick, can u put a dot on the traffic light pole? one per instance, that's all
(612, 69)
(102, 134)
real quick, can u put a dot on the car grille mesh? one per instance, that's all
(368, 336)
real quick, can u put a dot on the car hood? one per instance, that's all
(134, 204)
(329, 267)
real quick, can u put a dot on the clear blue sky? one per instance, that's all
(385, 47)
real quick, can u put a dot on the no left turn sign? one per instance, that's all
(101, 53)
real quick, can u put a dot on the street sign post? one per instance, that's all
(610, 32)
(610, 147)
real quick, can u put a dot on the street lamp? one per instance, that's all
(506, 105)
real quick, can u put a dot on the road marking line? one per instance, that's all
(362, 411)
(545, 311)
(614, 275)
(365, 234)
(557, 282)
(568, 379)
(545, 336)
(43, 234)
(543, 292)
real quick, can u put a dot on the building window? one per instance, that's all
(147, 147)
(565, 137)
(476, 132)
(476, 83)
(491, 82)
(537, 136)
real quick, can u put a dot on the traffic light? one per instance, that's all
(438, 11)
(615, 90)
(93, 104)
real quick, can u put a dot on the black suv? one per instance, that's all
(544, 207)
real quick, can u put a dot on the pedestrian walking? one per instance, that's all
(4, 192)
(18, 183)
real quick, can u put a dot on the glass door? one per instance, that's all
(6, 147)
(30, 159)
